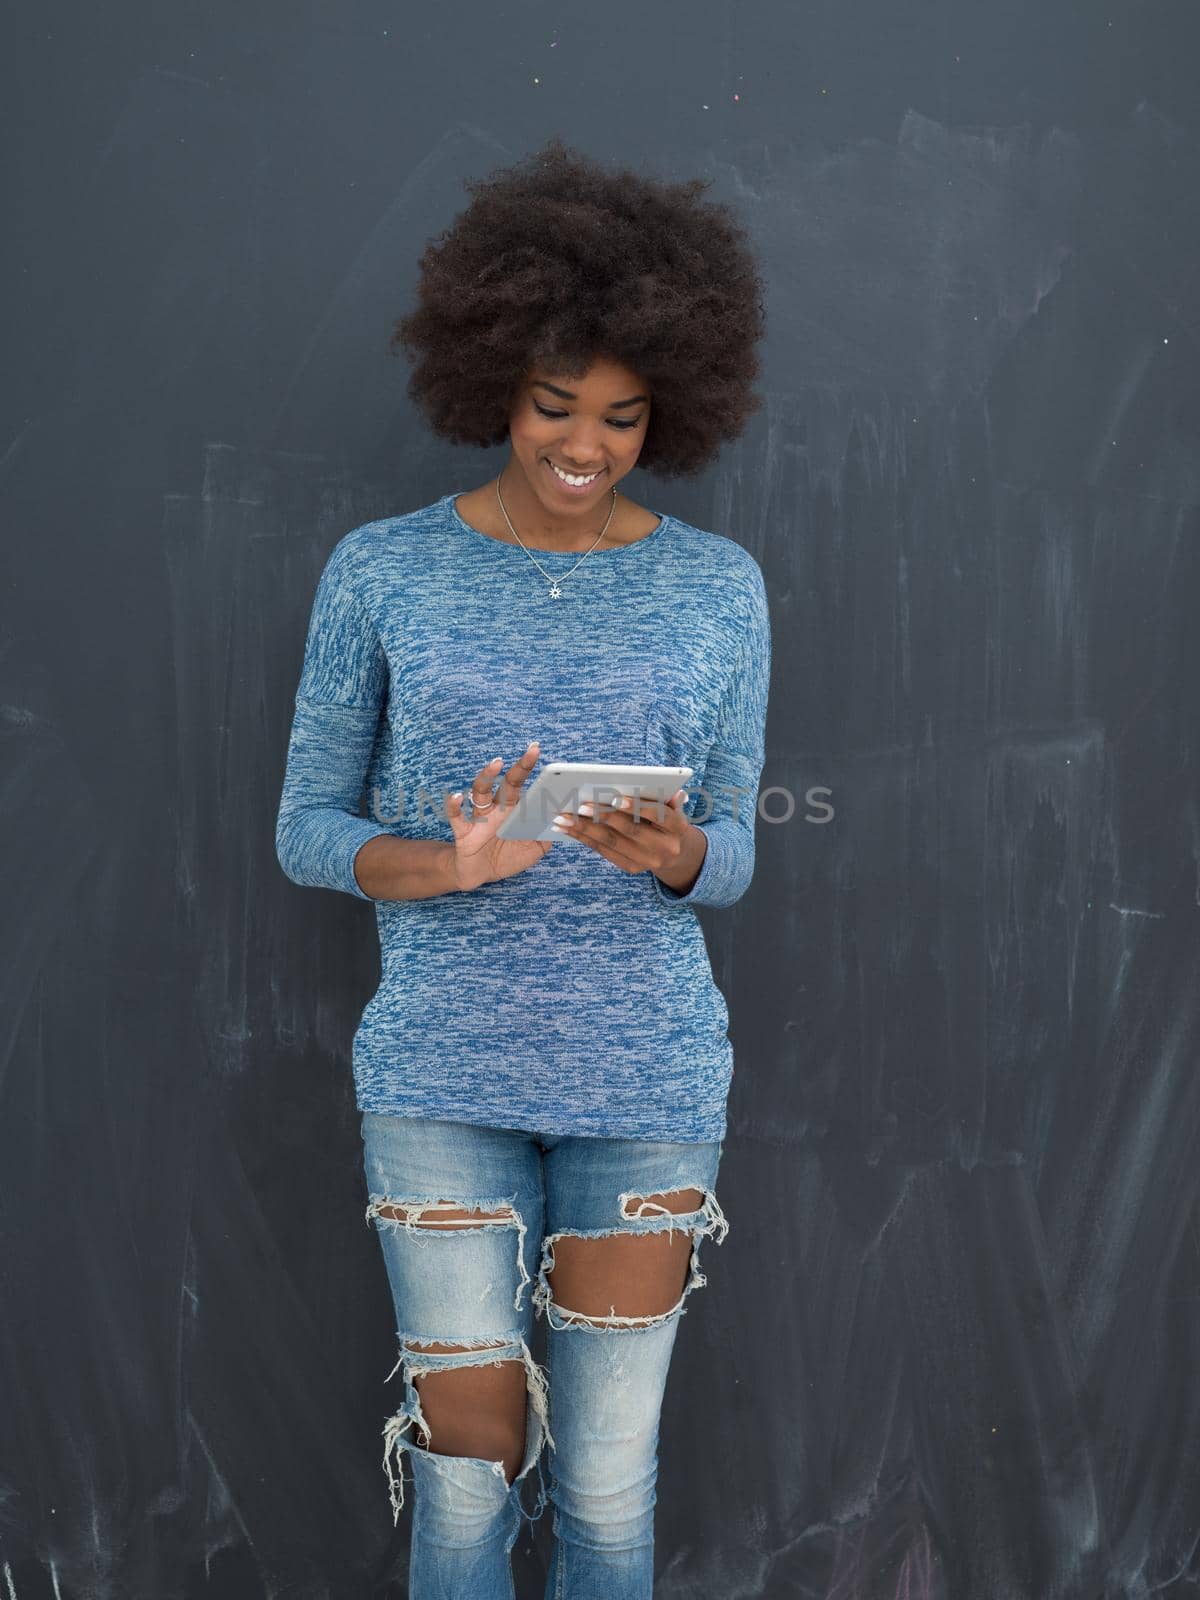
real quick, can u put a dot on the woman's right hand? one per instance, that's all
(479, 856)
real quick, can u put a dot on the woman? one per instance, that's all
(543, 1070)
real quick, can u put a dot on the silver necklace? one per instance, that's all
(555, 591)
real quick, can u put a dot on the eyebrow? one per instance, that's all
(566, 394)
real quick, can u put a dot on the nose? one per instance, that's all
(585, 461)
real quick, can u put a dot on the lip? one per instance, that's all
(566, 488)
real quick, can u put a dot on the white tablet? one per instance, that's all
(564, 785)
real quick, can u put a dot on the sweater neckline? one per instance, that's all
(460, 521)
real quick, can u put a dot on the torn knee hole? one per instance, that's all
(435, 1213)
(440, 1213)
(680, 1202)
(630, 1277)
(476, 1409)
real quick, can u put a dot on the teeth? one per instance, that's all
(574, 482)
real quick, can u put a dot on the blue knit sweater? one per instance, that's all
(572, 997)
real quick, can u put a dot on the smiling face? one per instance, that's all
(590, 426)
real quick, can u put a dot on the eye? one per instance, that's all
(612, 421)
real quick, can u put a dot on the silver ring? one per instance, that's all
(475, 806)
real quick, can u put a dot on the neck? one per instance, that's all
(542, 528)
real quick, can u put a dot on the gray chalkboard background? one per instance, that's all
(951, 1346)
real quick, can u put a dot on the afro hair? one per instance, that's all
(557, 261)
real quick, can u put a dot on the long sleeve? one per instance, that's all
(729, 783)
(342, 691)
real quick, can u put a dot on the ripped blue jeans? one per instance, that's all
(479, 1285)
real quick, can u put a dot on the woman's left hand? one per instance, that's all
(635, 833)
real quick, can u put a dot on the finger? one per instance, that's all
(518, 772)
(611, 846)
(481, 788)
(459, 825)
(668, 816)
(630, 812)
(620, 841)
(649, 809)
(625, 853)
